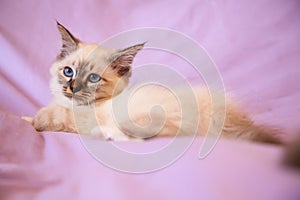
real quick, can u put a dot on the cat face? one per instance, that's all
(89, 73)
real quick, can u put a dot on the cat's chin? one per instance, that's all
(87, 103)
(79, 101)
(70, 101)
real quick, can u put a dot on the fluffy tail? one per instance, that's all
(239, 125)
(255, 133)
(266, 135)
(292, 154)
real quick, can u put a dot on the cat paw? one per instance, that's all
(27, 119)
(45, 121)
(52, 119)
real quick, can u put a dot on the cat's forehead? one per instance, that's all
(89, 54)
(92, 50)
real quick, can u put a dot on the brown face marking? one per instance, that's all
(78, 88)
(85, 63)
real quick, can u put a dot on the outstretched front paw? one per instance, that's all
(28, 119)
(52, 119)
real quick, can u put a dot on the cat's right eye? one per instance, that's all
(68, 71)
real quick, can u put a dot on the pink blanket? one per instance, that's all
(255, 46)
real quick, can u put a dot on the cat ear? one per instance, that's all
(121, 60)
(69, 42)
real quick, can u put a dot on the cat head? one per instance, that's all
(89, 73)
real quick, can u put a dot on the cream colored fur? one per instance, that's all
(153, 110)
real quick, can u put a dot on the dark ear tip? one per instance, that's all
(142, 44)
(57, 23)
(138, 46)
(61, 27)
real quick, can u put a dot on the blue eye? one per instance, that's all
(68, 72)
(94, 78)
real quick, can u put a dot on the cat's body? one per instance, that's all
(88, 82)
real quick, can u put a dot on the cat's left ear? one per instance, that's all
(69, 42)
(121, 61)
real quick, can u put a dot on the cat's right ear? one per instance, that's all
(69, 42)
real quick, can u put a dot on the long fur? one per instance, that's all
(92, 109)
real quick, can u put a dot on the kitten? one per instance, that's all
(88, 78)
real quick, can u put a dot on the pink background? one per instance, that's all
(255, 45)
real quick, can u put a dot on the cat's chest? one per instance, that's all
(87, 118)
(108, 126)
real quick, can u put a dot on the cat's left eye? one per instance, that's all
(68, 71)
(94, 78)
